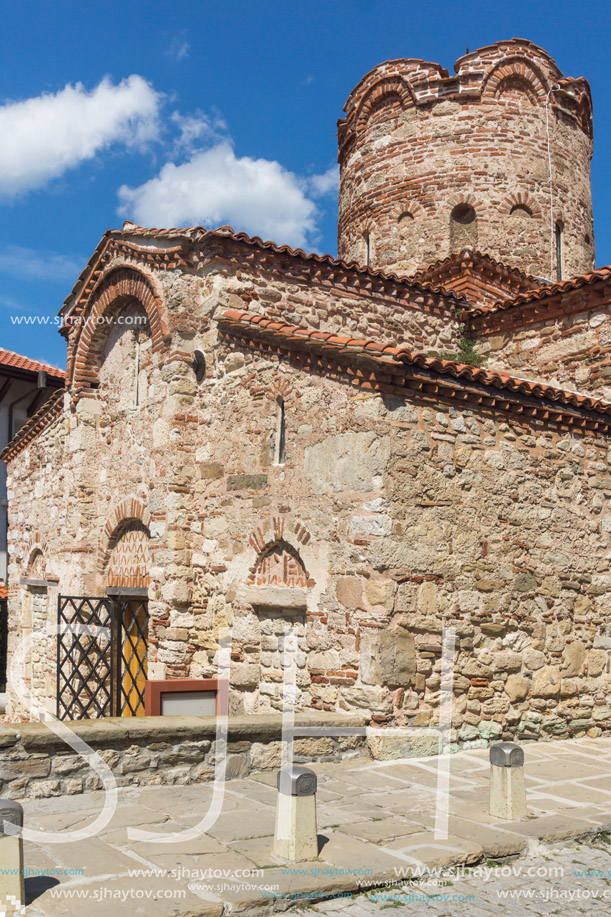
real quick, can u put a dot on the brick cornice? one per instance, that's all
(579, 294)
(395, 370)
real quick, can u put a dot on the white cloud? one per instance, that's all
(7, 302)
(195, 128)
(178, 49)
(29, 264)
(43, 137)
(327, 183)
(215, 187)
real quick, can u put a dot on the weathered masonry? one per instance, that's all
(283, 447)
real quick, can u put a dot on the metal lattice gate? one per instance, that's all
(101, 656)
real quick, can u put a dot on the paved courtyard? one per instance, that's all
(376, 825)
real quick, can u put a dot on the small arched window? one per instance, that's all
(463, 227)
(367, 239)
(280, 432)
(558, 241)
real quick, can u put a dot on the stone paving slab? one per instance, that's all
(374, 819)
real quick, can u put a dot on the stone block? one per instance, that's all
(573, 658)
(546, 682)
(323, 661)
(525, 582)
(264, 756)
(245, 674)
(387, 658)
(427, 598)
(347, 461)
(366, 697)
(236, 767)
(507, 661)
(392, 744)
(533, 659)
(596, 661)
(380, 592)
(246, 482)
(516, 687)
(349, 591)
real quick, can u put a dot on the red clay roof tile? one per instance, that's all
(17, 361)
(491, 378)
(545, 292)
(199, 233)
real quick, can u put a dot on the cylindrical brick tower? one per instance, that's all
(431, 163)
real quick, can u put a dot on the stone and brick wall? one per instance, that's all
(399, 509)
(563, 337)
(431, 162)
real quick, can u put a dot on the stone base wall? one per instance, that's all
(156, 751)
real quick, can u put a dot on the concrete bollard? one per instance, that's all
(12, 889)
(507, 789)
(295, 837)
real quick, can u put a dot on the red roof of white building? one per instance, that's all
(16, 361)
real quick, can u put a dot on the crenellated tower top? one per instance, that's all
(431, 162)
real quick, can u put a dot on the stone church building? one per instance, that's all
(362, 450)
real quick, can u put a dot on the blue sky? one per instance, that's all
(166, 112)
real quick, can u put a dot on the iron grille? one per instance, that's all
(101, 673)
(84, 661)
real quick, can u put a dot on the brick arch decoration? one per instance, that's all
(413, 209)
(33, 547)
(278, 562)
(467, 198)
(514, 71)
(35, 563)
(129, 515)
(279, 388)
(119, 285)
(388, 89)
(521, 199)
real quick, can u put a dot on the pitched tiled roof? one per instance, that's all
(16, 361)
(545, 292)
(389, 354)
(505, 277)
(200, 233)
(51, 409)
(3, 592)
